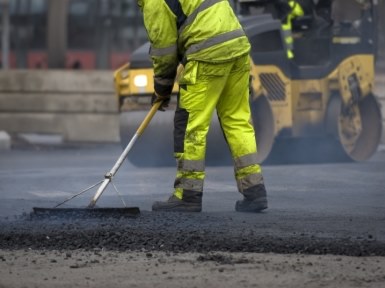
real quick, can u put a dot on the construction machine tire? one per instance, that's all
(263, 120)
(155, 147)
(352, 136)
(357, 128)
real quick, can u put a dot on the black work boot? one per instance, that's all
(191, 203)
(254, 200)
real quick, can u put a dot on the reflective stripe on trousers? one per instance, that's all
(289, 41)
(205, 87)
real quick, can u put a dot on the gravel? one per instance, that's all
(176, 232)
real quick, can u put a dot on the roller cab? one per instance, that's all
(322, 100)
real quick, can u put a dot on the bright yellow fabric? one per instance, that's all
(223, 87)
(161, 26)
(296, 11)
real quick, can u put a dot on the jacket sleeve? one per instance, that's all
(161, 28)
(296, 9)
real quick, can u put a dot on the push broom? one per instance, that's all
(91, 209)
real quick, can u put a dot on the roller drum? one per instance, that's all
(156, 147)
(357, 128)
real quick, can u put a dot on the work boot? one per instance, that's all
(254, 200)
(255, 205)
(174, 204)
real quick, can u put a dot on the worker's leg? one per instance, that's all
(200, 88)
(235, 117)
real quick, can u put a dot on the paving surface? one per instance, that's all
(330, 208)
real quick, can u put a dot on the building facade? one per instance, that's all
(73, 34)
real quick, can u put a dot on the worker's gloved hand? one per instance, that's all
(165, 101)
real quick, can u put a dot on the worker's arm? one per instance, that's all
(296, 9)
(160, 23)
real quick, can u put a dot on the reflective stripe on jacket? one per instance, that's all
(200, 30)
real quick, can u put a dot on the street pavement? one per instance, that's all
(344, 202)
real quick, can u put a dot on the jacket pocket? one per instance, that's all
(192, 97)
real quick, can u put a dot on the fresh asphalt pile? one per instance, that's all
(179, 232)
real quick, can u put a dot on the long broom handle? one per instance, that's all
(119, 162)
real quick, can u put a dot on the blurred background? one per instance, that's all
(82, 34)
(71, 34)
(81, 42)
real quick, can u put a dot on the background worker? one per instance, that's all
(284, 10)
(287, 11)
(206, 37)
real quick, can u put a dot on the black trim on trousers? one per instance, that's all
(180, 125)
(223, 131)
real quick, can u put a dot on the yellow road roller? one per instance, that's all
(317, 106)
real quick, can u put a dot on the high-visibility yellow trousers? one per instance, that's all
(204, 88)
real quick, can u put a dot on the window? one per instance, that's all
(38, 7)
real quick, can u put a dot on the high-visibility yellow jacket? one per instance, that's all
(185, 30)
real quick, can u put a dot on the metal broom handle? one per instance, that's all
(108, 177)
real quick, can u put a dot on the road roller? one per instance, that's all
(317, 106)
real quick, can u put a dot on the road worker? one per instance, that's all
(289, 10)
(208, 40)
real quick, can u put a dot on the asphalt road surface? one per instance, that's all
(310, 204)
(314, 209)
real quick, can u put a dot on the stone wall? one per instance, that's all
(79, 105)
